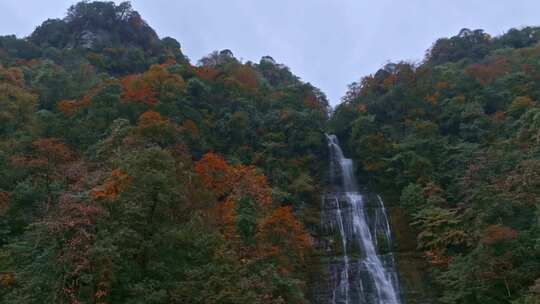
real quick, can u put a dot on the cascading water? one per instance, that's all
(363, 272)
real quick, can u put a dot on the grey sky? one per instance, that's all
(329, 43)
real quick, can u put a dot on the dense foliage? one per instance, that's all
(458, 138)
(130, 175)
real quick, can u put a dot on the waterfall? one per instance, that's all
(363, 272)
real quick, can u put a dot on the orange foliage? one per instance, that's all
(432, 99)
(191, 128)
(233, 181)
(311, 101)
(215, 173)
(52, 149)
(150, 118)
(361, 108)
(249, 183)
(497, 233)
(113, 186)
(281, 231)
(163, 83)
(4, 202)
(487, 73)
(47, 154)
(12, 76)
(206, 73)
(227, 215)
(154, 85)
(7, 279)
(374, 166)
(437, 258)
(136, 90)
(389, 81)
(498, 117)
(442, 85)
(246, 77)
(29, 63)
(67, 107)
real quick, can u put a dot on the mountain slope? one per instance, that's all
(456, 137)
(129, 175)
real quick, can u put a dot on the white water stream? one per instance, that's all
(365, 273)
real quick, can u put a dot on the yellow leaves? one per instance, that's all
(113, 186)
(521, 104)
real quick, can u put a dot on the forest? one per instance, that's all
(130, 174)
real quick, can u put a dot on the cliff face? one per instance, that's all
(412, 268)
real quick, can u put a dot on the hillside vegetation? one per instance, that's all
(130, 175)
(457, 137)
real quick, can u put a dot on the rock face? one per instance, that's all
(90, 39)
(413, 270)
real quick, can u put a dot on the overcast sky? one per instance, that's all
(329, 43)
